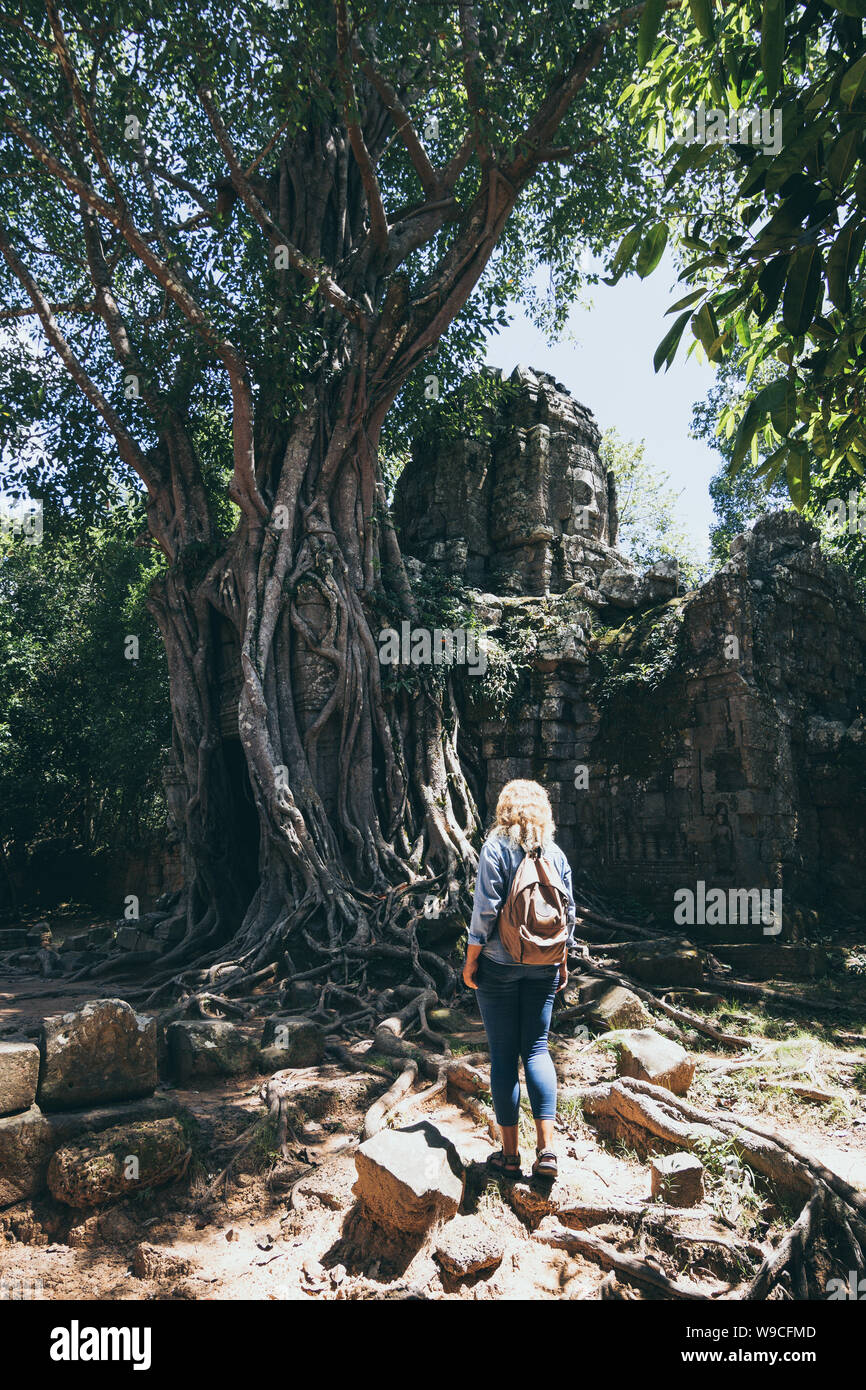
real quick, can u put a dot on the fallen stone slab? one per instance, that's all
(647, 1056)
(125, 1159)
(104, 1051)
(773, 960)
(26, 1145)
(19, 1076)
(466, 1247)
(617, 1008)
(678, 1179)
(28, 1140)
(663, 963)
(199, 1049)
(297, 1042)
(409, 1179)
(584, 989)
(69, 1125)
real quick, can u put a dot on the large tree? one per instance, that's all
(244, 231)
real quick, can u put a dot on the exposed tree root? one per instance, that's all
(791, 1250)
(629, 1267)
(381, 1109)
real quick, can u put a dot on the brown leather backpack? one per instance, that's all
(533, 920)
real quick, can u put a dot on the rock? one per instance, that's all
(207, 1048)
(84, 1234)
(409, 1179)
(132, 937)
(116, 1227)
(659, 582)
(102, 1052)
(646, 1056)
(663, 963)
(128, 1158)
(466, 1246)
(678, 1179)
(617, 1008)
(68, 1125)
(619, 587)
(19, 1075)
(531, 1203)
(583, 989)
(26, 1145)
(299, 1041)
(150, 1262)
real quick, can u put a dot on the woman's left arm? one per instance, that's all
(572, 916)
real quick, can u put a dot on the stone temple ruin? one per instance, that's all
(715, 737)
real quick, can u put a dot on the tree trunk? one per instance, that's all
(357, 787)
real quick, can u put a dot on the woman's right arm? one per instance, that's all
(489, 894)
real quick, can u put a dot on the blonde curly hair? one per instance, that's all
(524, 815)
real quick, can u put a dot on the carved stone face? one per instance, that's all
(586, 513)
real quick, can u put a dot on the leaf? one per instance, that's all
(784, 414)
(843, 259)
(702, 14)
(624, 253)
(768, 399)
(770, 282)
(773, 44)
(821, 438)
(843, 156)
(802, 289)
(798, 477)
(852, 83)
(706, 330)
(650, 23)
(681, 303)
(667, 348)
(652, 248)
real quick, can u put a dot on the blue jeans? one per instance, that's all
(516, 1002)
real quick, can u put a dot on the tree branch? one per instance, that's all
(244, 489)
(22, 312)
(62, 51)
(129, 450)
(325, 282)
(378, 220)
(430, 180)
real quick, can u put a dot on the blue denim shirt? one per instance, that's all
(497, 865)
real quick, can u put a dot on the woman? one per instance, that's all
(516, 1000)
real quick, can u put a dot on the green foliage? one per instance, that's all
(769, 220)
(648, 526)
(72, 707)
(742, 494)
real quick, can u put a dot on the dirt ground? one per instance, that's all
(276, 1228)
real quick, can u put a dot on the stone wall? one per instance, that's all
(716, 736)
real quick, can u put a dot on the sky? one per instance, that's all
(604, 358)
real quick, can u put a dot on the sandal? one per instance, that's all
(508, 1164)
(545, 1165)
